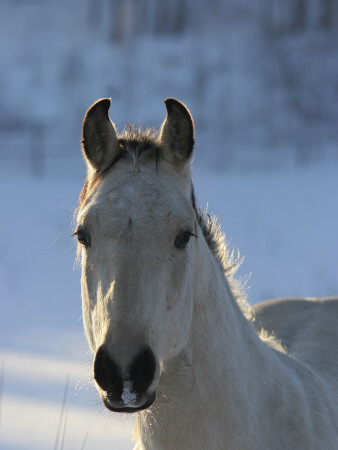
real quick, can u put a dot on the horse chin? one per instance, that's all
(130, 409)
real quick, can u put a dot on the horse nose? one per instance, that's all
(107, 373)
(138, 377)
(142, 370)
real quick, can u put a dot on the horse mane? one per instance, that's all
(228, 258)
(140, 143)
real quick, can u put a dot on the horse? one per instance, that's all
(173, 338)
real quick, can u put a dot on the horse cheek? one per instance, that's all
(179, 314)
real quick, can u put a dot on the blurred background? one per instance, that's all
(260, 78)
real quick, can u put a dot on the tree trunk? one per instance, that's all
(299, 15)
(327, 14)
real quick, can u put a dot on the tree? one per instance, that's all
(299, 13)
(327, 13)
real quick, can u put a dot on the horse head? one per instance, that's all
(137, 230)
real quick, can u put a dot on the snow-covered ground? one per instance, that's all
(32, 414)
(284, 222)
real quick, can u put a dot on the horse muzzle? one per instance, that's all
(143, 402)
(125, 390)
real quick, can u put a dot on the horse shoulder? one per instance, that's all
(307, 329)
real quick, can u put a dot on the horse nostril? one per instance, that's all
(142, 370)
(106, 373)
(133, 384)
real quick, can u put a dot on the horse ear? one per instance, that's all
(177, 133)
(99, 138)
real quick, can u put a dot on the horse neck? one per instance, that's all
(224, 344)
(213, 375)
(230, 390)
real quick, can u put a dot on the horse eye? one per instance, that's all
(182, 239)
(83, 238)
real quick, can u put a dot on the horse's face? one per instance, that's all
(137, 228)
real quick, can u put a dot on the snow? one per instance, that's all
(128, 397)
(29, 424)
(31, 406)
(284, 223)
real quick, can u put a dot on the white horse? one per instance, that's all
(161, 309)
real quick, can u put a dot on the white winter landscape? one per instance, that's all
(266, 164)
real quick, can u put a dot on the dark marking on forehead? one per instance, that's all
(130, 224)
